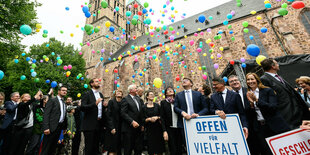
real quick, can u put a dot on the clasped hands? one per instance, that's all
(188, 117)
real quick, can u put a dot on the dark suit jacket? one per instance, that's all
(129, 113)
(113, 115)
(233, 104)
(10, 113)
(165, 114)
(267, 103)
(52, 114)
(90, 121)
(23, 109)
(290, 105)
(180, 105)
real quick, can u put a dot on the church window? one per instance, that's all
(256, 40)
(305, 19)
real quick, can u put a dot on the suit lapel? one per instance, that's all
(184, 99)
(133, 102)
(277, 82)
(92, 95)
(228, 95)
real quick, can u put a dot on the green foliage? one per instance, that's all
(47, 69)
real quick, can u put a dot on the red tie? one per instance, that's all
(281, 80)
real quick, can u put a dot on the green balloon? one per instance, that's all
(283, 12)
(157, 29)
(89, 5)
(238, 1)
(33, 66)
(59, 61)
(114, 59)
(80, 75)
(229, 26)
(238, 4)
(61, 31)
(147, 33)
(87, 27)
(245, 24)
(146, 4)
(204, 67)
(89, 32)
(36, 80)
(44, 35)
(219, 36)
(284, 5)
(246, 30)
(96, 30)
(232, 38)
(170, 28)
(104, 4)
(134, 21)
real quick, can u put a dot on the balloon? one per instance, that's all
(232, 62)
(38, 26)
(283, 12)
(67, 8)
(242, 60)
(148, 21)
(25, 29)
(23, 77)
(229, 16)
(245, 24)
(65, 67)
(96, 30)
(115, 70)
(85, 9)
(54, 84)
(47, 81)
(112, 29)
(134, 21)
(34, 74)
(45, 31)
(263, 29)
(68, 73)
(201, 18)
(16, 61)
(216, 66)
(69, 66)
(104, 4)
(246, 30)
(128, 13)
(107, 24)
(284, 5)
(225, 78)
(146, 4)
(298, 4)
(157, 82)
(78, 95)
(268, 5)
(59, 61)
(243, 65)
(191, 42)
(253, 50)
(177, 78)
(259, 59)
(135, 5)
(204, 77)
(36, 80)
(1, 74)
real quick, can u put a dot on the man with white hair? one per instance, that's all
(132, 125)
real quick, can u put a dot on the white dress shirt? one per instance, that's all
(97, 96)
(30, 123)
(224, 94)
(134, 99)
(240, 92)
(174, 117)
(191, 97)
(15, 111)
(62, 109)
(259, 113)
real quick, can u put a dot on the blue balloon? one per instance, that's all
(45, 31)
(263, 29)
(25, 29)
(54, 84)
(47, 81)
(268, 5)
(133, 76)
(67, 8)
(201, 18)
(183, 47)
(82, 78)
(290, 0)
(23, 54)
(85, 9)
(53, 53)
(144, 11)
(28, 58)
(251, 37)
(172, 8)
(229, 16)
(34, 74)
(112, 29)
(1, 74)
(225, 22)
(16, 61)
(243, 65)
(253, 50)
(85, 85)
(34, 61)
(231, 32)
(101, 58)
(87, 14)
(182, 25)
(225, 78)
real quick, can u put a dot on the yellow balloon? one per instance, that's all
(259, 59)
(199, 29)
(208, 41)
(71, 34)
(172, 15)
(136, 48)
(46, 59)
(175, 11)
(68, 73)
(221, 49)
(77, 26)
(37, 30)
(212, 57)
(78, 95)
(185, 36)
(157, 82)
(128, 52)
(266, 1)
(119, 58)
(193, 72)
(38, 26)
(199, 68)
(156, 59)
(106, 70)
(107, 24)
(258, 17)
(167, 48)
(253, 12)
(178, 33)
(151, 27)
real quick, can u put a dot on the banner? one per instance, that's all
(213, 135)
(292, 142)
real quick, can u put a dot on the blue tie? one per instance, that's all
(190, 102)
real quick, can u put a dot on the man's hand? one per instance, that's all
(113, 131)
(305, 125)
(246, 132)
(194, 115)
(165, 136)
(99, 100)
(186, 116)
(221, 113)
(47, 132)
(51, 91)
(2, 112)
(38, 95)
(135, 124)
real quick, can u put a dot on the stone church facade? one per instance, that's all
(168, 59)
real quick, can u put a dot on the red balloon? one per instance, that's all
(298, 4)
(166, 32)
(141, 49)
(135, 5)
(140, 13)
(115, 70)
(232, 62)
(177, 78)
(167, 72)
(211, 44)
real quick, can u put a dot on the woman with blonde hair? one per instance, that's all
(263, 116)
(304, 88)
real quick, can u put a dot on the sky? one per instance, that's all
(54, 17)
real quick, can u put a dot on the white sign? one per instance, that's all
(292, 142)
(213, 135)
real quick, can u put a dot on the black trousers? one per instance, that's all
(34, 144)
(133, 141)
(175, 140)
(92, 139)
(20, 140)
(50, 142)
(7, 139)
(261, 146)
(76, 143)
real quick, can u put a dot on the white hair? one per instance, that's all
(130, 87)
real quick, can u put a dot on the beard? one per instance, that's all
(97, 87)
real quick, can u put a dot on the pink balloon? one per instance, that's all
(216, 66)
(136, 59)
(201, 33)
(204, 77)
(196, 34)
(88, 44)
(65, 67)
(80, 53)
(69, 66)
(199, 50)
(171, 63)
(115, 82)
(191, 42)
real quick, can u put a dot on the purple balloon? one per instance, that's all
(242, 60)
(233, 12)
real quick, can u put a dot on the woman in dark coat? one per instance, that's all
(113, 131)
(264, 118)
(153, 129)
(171, 133)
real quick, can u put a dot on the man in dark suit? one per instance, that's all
(132, 124)
(225, 102)
(9, 120)
(54, 120)
(93, 107)
(188, 103)
(290, 104)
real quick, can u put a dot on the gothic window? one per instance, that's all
(206, 61)
(165, 68)
(256, 40)
(305, 19)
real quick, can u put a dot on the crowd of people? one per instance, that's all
(47, 124)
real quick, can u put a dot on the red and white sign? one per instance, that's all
(290, 143)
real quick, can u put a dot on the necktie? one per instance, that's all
(190, 102)
(221, 98)
(136, 101)
(281, 80)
